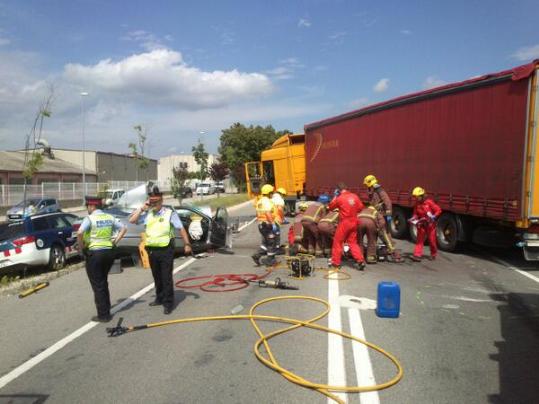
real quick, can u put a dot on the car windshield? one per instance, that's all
(10, 230)
(28, 203)
(204, 185)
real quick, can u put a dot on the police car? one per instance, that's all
(47, 239)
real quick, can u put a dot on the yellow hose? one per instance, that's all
(272, 362)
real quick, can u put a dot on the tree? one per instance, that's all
(201, 157)
(33, 159)
(218, 172)
(239, 144)
(137, 149)
(180, 175)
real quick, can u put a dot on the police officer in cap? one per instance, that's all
(160, 223)
(95, 238)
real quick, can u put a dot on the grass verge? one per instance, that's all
(223, 200)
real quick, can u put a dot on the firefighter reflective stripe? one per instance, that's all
(369, 213)
(100, 231)
(331, 217)
(263, 206)
(159, 230)
(313, 212)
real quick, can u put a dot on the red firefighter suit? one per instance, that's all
(349, 205)
(425, 214)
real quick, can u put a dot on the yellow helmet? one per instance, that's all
(302, 206)
(370, 181)
(418, 191)
(282, 191)
(266, 189)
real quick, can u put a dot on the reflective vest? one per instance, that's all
(159, 230)
(263, 206)
(100, 231)
(278, 208)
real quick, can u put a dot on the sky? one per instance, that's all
(185, 70)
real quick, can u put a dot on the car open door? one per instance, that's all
(221, 234)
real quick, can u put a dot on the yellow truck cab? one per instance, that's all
(283, 166)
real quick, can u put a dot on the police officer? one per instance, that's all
(160, 223)
(98, 229)
(265, 211)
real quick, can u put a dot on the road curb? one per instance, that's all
(240, 205)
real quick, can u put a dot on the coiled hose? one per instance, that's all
(271, 362)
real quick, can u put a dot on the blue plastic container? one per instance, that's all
(388, 300)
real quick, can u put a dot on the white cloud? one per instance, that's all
(433, 81)
(406, 32)
(146, 40)
(162, 77)
(358, 103)
(286, 69)
(381, 86)
(526, 53)
(304, 23)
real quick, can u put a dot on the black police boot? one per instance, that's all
(360, 266)
(256, 259)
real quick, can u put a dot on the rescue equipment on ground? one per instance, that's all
(300, 265)
(30, 291)
(269, 360)
(276, 284)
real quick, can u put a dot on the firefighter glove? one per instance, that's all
(388, 219)
(337, 192)
(431, 216)
(275, 228)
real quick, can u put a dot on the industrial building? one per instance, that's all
(166, 164)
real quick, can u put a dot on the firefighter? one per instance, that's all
(278, 213)
(378, 197)
(426, 212)
(95, 238)
(266, 226)
(311, 217)
(295, 232)
(349, 205)
(371, 223)
(326, 230)
(278, 202)
(160, 223)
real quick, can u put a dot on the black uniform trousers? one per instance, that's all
(98, 264)
(162, 264)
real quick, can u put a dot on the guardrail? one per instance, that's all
(13, 194)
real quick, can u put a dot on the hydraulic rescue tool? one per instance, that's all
(276, 284)
(300, 265)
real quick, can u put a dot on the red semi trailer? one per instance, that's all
(472, 145)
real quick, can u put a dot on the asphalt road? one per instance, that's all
(468, 333)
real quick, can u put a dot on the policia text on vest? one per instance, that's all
(95, 239)
(160, 224)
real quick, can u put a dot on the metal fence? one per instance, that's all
(13, 194)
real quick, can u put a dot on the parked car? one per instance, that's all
(43, 239)
(219, 187)
(33, 206)
(112, 196)
(184, 192)
(205, 188)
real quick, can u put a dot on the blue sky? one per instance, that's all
(185, 67)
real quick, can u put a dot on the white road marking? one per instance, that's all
(362, 361)
(508, 265)
(336, 369)
(29, 364)
(246, 224)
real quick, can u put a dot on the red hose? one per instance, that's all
(220, 283)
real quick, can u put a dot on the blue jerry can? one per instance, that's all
(388, 300)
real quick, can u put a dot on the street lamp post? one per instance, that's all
(83, 116)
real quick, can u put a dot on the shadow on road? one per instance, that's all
(518, 352)
(23, 398)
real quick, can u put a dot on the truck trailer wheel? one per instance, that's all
(399, 225)
(447, 232)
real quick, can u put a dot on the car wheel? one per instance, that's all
(398, 226)
(57, 257)
(447, 232)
